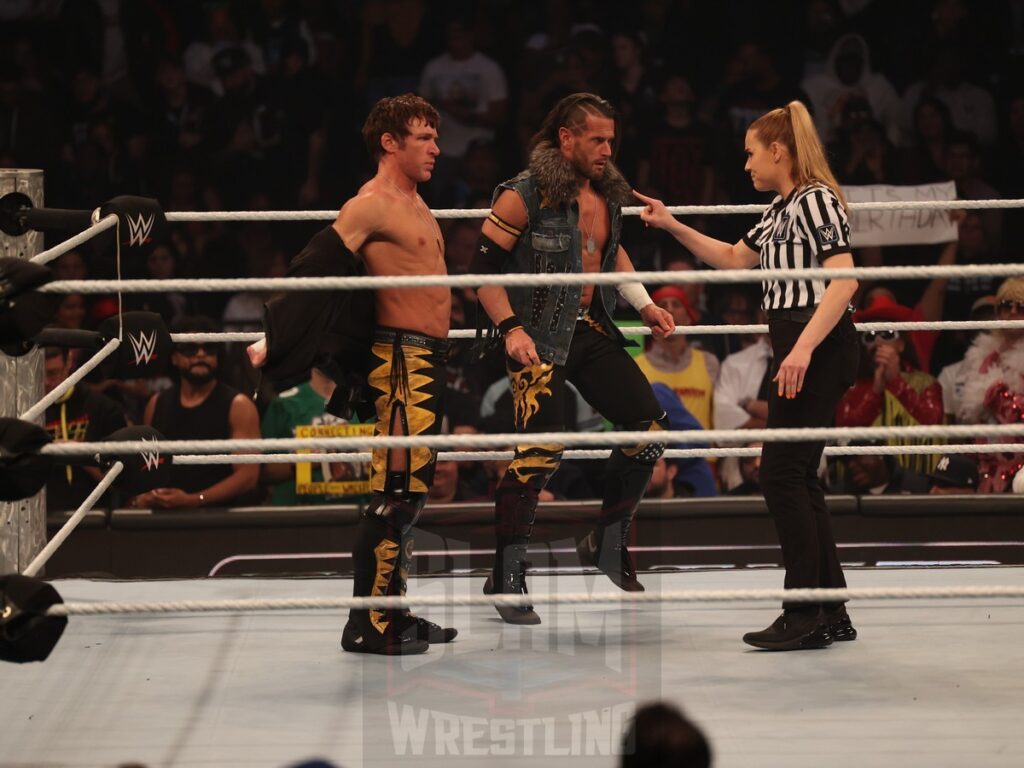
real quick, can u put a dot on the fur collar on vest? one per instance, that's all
(557, 180)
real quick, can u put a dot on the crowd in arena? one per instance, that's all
(225, 105)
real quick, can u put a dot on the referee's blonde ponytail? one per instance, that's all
(792, 127)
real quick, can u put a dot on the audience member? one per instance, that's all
(847, 76)
(881, 475)
(448, 486)
(923, 159)
(954, 474)
(660, 736)
(693, 477)
(953, 376)
(971, 107)
(741, 398)
(993, 391)
(299, 412)
(731, 305)
(750, 474)
(662, 484)
(690, 372)
(70, 312)
(79, 415)
(861, 152)
(963, 165)
(679, 149)
(201, 407)
(891, 390)
(471, 94)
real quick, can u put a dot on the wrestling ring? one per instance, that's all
(247, 671)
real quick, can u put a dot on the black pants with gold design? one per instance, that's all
(610, 381)
(408, 380)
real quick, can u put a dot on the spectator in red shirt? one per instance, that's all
(891, 390)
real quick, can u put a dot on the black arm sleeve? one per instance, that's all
(489, 257)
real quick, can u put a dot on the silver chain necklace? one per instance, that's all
(591, 245)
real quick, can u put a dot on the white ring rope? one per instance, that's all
(57, 392)
(681, 330)
(231, 284)
(632, 210)
(569, 598)
(90, 501)
(670, 453)
(44, 257)
(503, 440)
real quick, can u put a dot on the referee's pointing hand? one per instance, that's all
(654, 214)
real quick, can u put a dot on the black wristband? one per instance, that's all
(509, 324)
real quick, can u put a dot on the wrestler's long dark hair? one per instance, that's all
(571, 112)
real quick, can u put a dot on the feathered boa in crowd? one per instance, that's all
(993, 374)
(993, 392)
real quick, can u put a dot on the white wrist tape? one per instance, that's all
(635, 294)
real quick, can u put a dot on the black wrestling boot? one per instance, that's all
(839, 625)
(792, 631)
(376, 572)
(606, 549)
(431, 632)
(411, 624)
(360, 636)
(607, 546)
(509, 578)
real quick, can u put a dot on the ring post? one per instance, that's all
(22, 523)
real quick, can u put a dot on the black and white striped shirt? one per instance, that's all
(799, 232)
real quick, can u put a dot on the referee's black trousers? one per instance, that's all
(789, 471)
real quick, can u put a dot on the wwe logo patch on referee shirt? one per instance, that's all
(781, 233)
(828, 234)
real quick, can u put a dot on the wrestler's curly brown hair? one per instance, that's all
(392, 115)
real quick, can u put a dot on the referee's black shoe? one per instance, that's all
(792, 631)
(840, 626)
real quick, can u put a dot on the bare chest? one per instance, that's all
(411, 243)
(594, 226)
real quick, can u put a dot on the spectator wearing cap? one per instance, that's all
(993, 391)
(881, 476)
(891, 390)
(880, 305)
(954, 474)
(690, 372)
(220, 32)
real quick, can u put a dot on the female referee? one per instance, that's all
(812, 335)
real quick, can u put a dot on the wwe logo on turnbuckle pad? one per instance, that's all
(150, 459)
(139, 228)
(143, 346)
